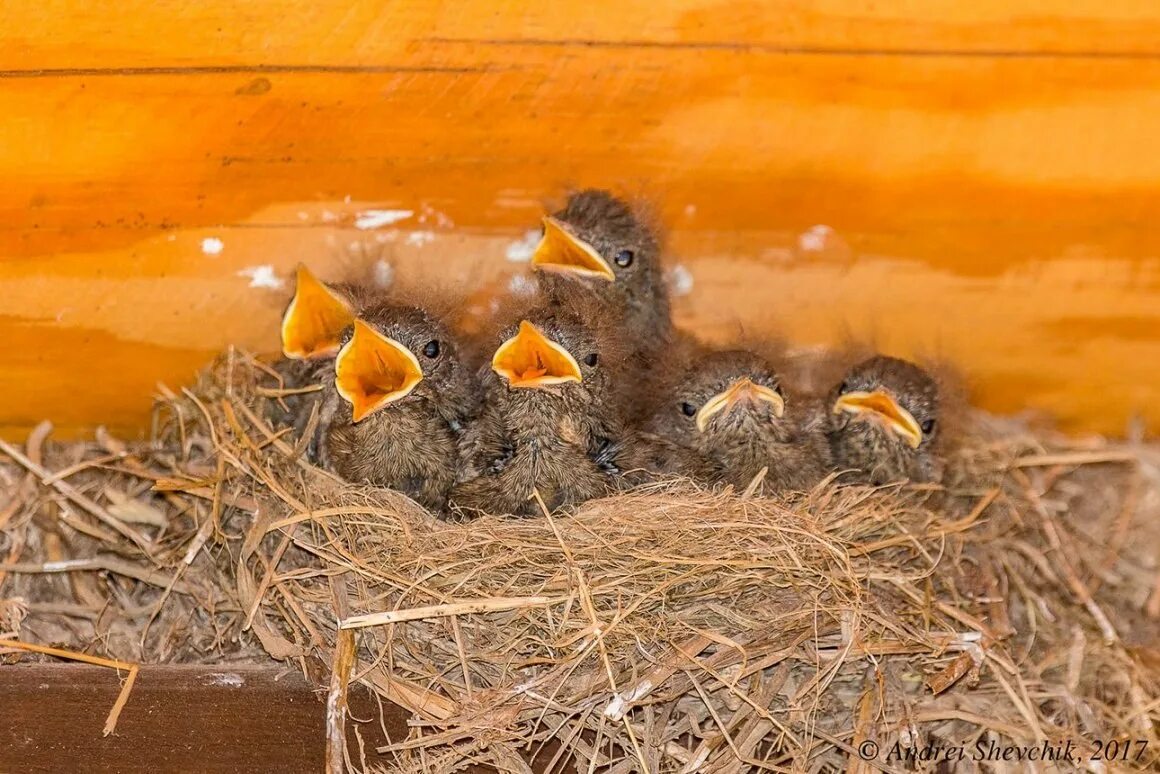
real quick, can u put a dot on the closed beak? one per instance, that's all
(886, 409)
(740, 392)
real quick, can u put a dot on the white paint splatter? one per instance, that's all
(346, 199)
(431, 214)
(383, 274)
(368, 219)
(420, 238)
(522, 285)
(171, 238)
(303, 215)
(690, 210)
(521, 250)
(230, 679)
(427, 214)
(329, 217)
(262, 277)
(813, 239)
(680, 280)
(212, 246)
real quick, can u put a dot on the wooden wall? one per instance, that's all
(973, 179)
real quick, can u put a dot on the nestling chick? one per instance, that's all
(397, 403)
(883, 422)
(729, 410)
(549, 422)
(598, 246)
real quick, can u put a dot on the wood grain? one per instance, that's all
(207, 719)
(212, 719)
(985, 173)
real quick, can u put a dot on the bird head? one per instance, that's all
(551, 354)
(890, 397)
(393, 353)
(720, 398)
(600, 241)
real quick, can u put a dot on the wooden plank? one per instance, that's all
(223, 718)
(64, 34)
(991, 208)
(226, 718)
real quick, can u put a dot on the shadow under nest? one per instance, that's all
(668, 628)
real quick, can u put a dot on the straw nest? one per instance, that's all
(669, 628)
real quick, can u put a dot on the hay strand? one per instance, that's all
(71, 655)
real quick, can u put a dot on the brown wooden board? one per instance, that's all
(227, 719)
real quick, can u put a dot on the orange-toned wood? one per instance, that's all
(986, 172)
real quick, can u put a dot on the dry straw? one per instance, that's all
(666, 629)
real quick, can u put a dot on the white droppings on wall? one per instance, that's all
(212, 246)
(420, 238)
(680, 280)
(262, 277)
(521, 250)
(368, 219)
(813, 239)
(230, 679)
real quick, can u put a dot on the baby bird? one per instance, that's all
(395, 394)
(598, 246)
(397, 402)
(550, 421)
(729, 413)
(883, 422)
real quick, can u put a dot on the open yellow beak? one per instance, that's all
(885, 408)
(315, 319)
(373, 371)
(562, 252)
(531, 359)
(741, 391)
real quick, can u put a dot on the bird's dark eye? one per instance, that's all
(624, 259)
(843, 388)
(432, 349)
(592, 359)
(688, 409)
(928, 427)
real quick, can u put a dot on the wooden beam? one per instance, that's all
(222, 718)
(974, 180)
